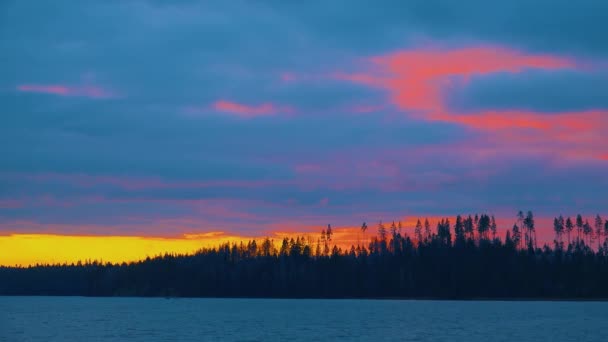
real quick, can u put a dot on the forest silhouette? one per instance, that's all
(464, 260)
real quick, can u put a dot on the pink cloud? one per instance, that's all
(249, 111)
(417, 80)
(65, 90)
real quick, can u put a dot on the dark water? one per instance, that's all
(157, 319)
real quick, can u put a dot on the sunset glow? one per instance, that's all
(31, 249)
(119, 146)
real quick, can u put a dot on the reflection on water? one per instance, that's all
(159, 319)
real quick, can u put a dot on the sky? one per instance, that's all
(142, 118)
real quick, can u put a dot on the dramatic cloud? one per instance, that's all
(420, 81)
(417, 77)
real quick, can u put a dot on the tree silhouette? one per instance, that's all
(381, 231)
(382, 237)
(443, 232)
(393, 229)
(493, 227)
(530, 229)
(558, 227)
(520, 222)
(599, 228)
(469, 228)
(569, 228)
(418, 231)
(459, 231)
(483, 226)
(427, 229)
(562, 227)
(606, 237)
(476, 267)
(329, 232)
(325, 242)
(579, 226)
(363, 229)
(516, 235)
(587, 232)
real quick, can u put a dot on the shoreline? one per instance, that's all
(434, 299)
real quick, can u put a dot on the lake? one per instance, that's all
(159, 319)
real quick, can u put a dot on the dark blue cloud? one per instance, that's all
(542, 25)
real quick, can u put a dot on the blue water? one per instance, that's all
(158, 319)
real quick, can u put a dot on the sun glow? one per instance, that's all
(31, 249)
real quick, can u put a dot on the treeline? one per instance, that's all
(466, 259)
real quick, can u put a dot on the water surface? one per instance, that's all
(159, 319)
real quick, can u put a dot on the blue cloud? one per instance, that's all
(552, 92)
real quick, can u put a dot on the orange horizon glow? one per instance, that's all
(18, 249)
(32, 249)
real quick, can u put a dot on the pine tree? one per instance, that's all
(569, 228)
(468, 227)
(393, 230)
(381, 231)
(493, 227)
(443, 232)
(329, 232)
(418, 231)
(558, 229)
(530, 227)
(579, 226)
(520, 222)
(483, 225)
(363, 229)
(587, 231)
(599, 226)
(459, 230)
(606, 233)
(427, 229)
(516, 235)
